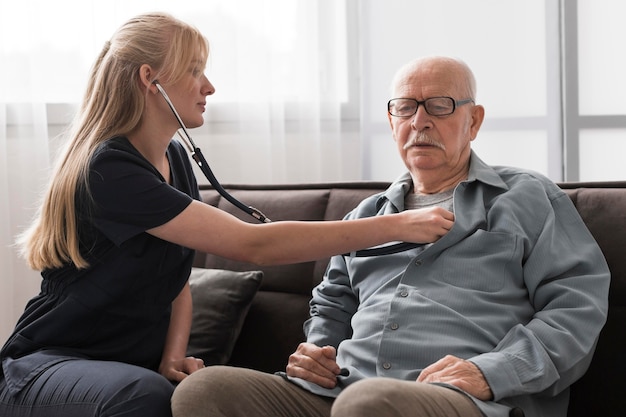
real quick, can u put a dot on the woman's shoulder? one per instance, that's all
(115, 144)
(116, 158)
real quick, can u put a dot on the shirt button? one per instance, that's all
(386, 365)
(404, 293)
(394, 326)
(418, 262)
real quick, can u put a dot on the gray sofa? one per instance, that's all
(272, 327)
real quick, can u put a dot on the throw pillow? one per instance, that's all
(221, 300)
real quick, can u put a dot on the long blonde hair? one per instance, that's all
(113, 105)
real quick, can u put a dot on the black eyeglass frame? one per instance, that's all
(455, 104)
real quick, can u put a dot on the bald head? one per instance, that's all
(452, 71)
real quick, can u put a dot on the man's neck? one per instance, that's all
(427, 183)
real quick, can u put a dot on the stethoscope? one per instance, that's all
(197, 156)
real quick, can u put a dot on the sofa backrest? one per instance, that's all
(273, 327)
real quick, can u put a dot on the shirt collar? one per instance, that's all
(478, 171)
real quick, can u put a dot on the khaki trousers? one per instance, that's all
(220, 391)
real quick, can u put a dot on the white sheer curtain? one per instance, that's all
(279, 68)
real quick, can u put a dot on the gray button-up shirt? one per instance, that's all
(518, 286)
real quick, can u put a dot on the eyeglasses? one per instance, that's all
(435, 106)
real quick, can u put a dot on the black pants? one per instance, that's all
(87, 388)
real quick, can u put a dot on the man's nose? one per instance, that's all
(421, 118)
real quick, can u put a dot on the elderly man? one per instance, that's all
(497, 318)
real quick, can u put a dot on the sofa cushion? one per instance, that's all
(221, 301)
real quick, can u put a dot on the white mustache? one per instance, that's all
(423, 139)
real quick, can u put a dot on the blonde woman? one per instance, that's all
(116, 234)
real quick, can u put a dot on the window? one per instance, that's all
(548, 74)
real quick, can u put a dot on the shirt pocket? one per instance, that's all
(483, 261)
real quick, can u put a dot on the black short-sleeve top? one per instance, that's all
(119, 307)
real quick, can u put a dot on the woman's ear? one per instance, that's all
(147, 78)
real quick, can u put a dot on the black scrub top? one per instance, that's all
(119, 308)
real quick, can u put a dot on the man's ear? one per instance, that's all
(478, 114)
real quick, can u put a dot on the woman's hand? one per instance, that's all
(177, 370)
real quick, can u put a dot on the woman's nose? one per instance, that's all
(209, 89)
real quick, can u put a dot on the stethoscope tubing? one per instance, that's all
(197, 156)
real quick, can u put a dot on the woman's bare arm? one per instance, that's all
(208, 229)
(175, 366)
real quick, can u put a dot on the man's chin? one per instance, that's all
(424, 160)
